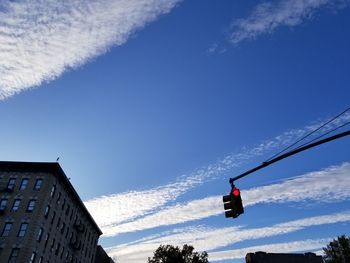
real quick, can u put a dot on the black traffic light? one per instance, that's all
(233, 203)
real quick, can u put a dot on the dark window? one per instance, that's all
(31, 205)
(53, 217)
(47, 239)
(53, 244)
(40, 234)
(58, 223)
(14, 255)
(16, 204)
(62, 227)
(62, 251)
(24, 184)
(32, 257)
(57, 248)
(11, 184)
(67, 209)
(3, 203)
(53, 190)
(6, 230)
(38, 184)
(59, 198)
(64, 202)
(22, 230)
(67, 232)
(47, 210)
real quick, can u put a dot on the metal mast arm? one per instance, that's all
(290, 153)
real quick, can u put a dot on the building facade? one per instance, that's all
(42, 218)
(263, 257)
(102, 257)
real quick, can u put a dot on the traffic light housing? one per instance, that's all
(233, 203)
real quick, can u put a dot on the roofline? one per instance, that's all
(52, 167)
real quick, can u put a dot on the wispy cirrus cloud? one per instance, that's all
(287, 247)
(268, 16)
(139, 256)
(327, 185)
(209, 239)
(42, 39)
(143, 209)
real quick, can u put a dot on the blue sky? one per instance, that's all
(152, 105)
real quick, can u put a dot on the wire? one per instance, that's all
(322, 135)
(309, 134)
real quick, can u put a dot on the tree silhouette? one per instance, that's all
(338, 250)
(171, 254)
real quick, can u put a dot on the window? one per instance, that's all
(62, 251)
(67, 232)
(41, 260)
(58, 223)
(38, 184)
(53, 190)
(3, 203)
(32, 257)
(11, 183)
(59, 198)
(14, 255)
(47, 210)
(40, 234)
(53, 244)
(24, 184)
(62, 227)
(6, 230)
(31, 205)
(67, 209)
(46, 239)
(22, 230)
(58, 245)
(53, 217)
(16, 204)
(64, 202)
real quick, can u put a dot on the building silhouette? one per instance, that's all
(101, 256)
(42, 218)
(263, 257)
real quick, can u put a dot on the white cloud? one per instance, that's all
(122, 207)
(136, 210)
(41, 39)
(139, 256)
(288, 247)
(267, 16)
(327, 185)
(208, 239)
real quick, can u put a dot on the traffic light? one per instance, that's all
(233, 203)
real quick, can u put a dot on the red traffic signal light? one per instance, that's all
(233, 203)
(236, 192)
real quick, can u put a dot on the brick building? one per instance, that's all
(42, 218)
